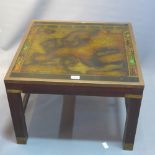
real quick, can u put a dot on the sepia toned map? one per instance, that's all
(94, 51)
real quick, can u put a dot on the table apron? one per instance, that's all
(73, 90)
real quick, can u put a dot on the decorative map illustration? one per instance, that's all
(93, 51)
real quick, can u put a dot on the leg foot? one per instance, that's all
(21, 140)
(127, 146)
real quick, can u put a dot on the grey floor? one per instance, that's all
(97, 120)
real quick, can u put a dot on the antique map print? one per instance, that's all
(93, 51)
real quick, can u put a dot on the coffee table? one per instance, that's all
(76, 58)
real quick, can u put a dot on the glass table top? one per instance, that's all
(83, 51)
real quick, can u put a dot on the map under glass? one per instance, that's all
(92, 51)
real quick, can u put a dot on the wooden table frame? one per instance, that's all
(132, 96)
(131, 91)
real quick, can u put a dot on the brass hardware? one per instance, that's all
(133, 96)
(13, 91)
(21, 140)
(128, 146)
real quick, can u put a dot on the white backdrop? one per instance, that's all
(96, 119)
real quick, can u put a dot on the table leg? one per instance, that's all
(133, 104)
(67, 117)
(18, 117)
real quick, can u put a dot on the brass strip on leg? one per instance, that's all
(127, 146)
(21, 140)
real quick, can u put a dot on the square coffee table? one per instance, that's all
(76, 58)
